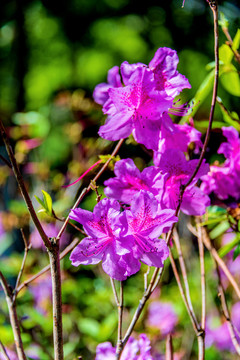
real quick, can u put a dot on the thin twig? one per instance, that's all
(226, 312)
(201, 338)
(214, 7)
(26, 250)
(120, 318)
(5, 354)
(169, 347)
(184, 272)
(85, 191)
(114, 291)
(47, 268)
(56, 299)
(177, 277)
(13, 318)
(202, 271)
(22, 187)
(6, 161)
(146, 278)
(219, 261)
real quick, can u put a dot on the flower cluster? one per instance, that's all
(138, 100)
(134, 350)
(164, 181)
(162, 316)
(223, 180)
(122, 239)
(141, 102)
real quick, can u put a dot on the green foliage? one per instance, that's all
(46, 203)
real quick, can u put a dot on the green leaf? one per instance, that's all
(46, 203)
(230, 80)
(228, 247)
(225, 54)
(219, 229)
(201, 94)
(236, 40)
(223, 21)
(236, 252)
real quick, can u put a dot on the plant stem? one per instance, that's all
(13, 318)
(56, 299)
(169, 347)
(184, 272)
(47, 268)
(226, 312)
(201, 338)
(5, 355)
(26, 250)
(120, 318)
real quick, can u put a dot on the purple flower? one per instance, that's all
(145, 223)
(134, 350)
(163, 181)
(167, 78)
(162, 316)
(173, 136)
(100, 93)
(138, 106)
(42, 293)
(51, 231)
(104, 242)
(121, 240)
(219, 335)
(179, 171)
(129, 181)
(11, 354)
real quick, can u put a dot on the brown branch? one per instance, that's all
(22, 187)
(219, 261)
(184, 273)
(26, 250)
(5, 355)
(47, 268)
(201, 339)
(85, 191)
(120, 318)
(214, 7)
(177, 277)
(13, 318)
(6, 161)
(169, 347)
(114, 291)
(226, 312)
(56, 299)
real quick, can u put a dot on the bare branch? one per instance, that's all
(169, 347)
(13, 318)
(120, 318)
(47, 268)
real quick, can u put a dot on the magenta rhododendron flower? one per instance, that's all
(163, 180)
(174, 136)
(179, 170)
(104, 242)
(120, 240)
(129, 181)
(162, 316)
(100, 93)
(134, 350)
(138, 106)
(145, 222)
